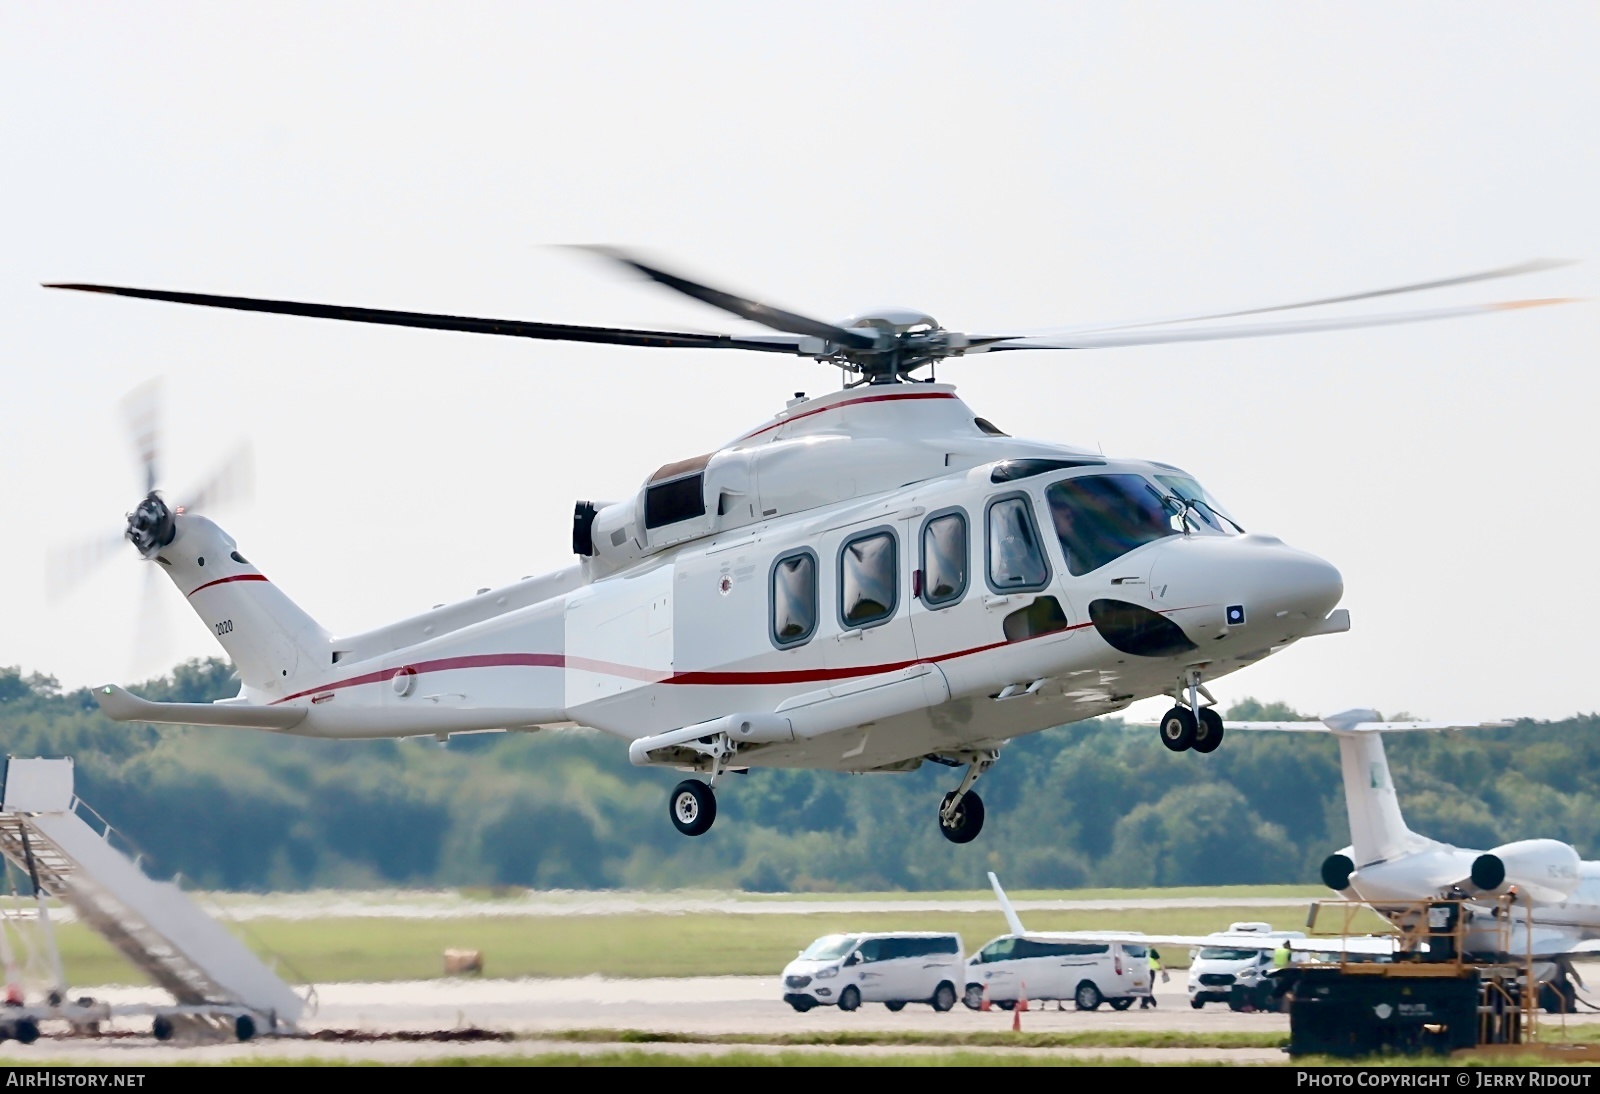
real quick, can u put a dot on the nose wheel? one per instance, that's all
(1182, 729)
(1192, 726)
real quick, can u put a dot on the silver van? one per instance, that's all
(846, 970)
(1045, 966)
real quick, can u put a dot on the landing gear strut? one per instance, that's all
(961, 811)
(1189, 725)
(692, 803)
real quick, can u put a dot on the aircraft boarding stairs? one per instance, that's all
(210, 974)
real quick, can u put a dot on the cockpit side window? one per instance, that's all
(868, 571)
(794, 599)
(1016, 555)
(1099, 518)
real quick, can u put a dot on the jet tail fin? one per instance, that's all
(1012, 919)
(1377, 829)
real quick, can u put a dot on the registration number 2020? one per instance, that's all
(225, 627)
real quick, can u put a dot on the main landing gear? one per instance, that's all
(1192, 726)
(692, 803)
(961, 811)
(693, 806)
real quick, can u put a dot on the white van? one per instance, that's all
(1058, 966)
(846, 970)
(1213, 969)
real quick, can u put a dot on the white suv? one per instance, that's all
(1213, 969)
(1058, 966)
(846, 970)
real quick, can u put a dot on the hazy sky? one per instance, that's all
(998, 164)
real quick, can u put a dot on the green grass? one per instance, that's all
(1110, 1038)
(634, 945)
(644, 1058)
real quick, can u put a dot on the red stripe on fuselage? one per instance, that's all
(225, 580)
(849, 402)
(653, 676)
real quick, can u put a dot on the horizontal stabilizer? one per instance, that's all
(120, 705)
(1373, 945)
(1359, 721)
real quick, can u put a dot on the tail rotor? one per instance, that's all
(151, 525)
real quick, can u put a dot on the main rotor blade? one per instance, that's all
(1536, 265)
(514, 328)
(787, 321)
(1113, 338)
(233, 481)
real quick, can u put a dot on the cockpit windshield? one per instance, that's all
(1198, 505)
(1099, 518)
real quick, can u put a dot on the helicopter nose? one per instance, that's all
(1289, 582)
(1254, 579)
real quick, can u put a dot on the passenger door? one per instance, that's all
(875, 969)
(1080, 961)
(865, 627)
(924, 967)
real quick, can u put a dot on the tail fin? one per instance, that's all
(1013, 920)
(1377, 829)
(270, 639)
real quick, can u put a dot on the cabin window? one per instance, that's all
(868, 568)
(944, 558)
(794, 599)
(1016, 556)
(669, 502)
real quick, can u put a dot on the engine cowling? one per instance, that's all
(1336, 871)
(1543, 870)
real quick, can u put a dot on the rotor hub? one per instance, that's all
(152, 525)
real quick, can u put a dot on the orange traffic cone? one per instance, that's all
(1021, 1005)
(984, 1004)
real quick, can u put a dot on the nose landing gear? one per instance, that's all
(1192, 726)
(961, 811)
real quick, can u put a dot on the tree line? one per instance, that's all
(1090, 804)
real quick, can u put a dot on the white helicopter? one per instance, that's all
(868, 580)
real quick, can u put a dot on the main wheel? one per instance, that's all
(944, 996)
(1178, 729)
(800, 1004)
(1088, 997)
(1208, 733)
(1123, 1003)
(973, 997)
(26, 1030)
(161, 1028)
(1198, 1004)
(693, 807)
(850, 998)
(895, 1006)
(966, 823)
(244, 1027)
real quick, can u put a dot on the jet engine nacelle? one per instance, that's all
(1336, 871)
(1545, 871)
